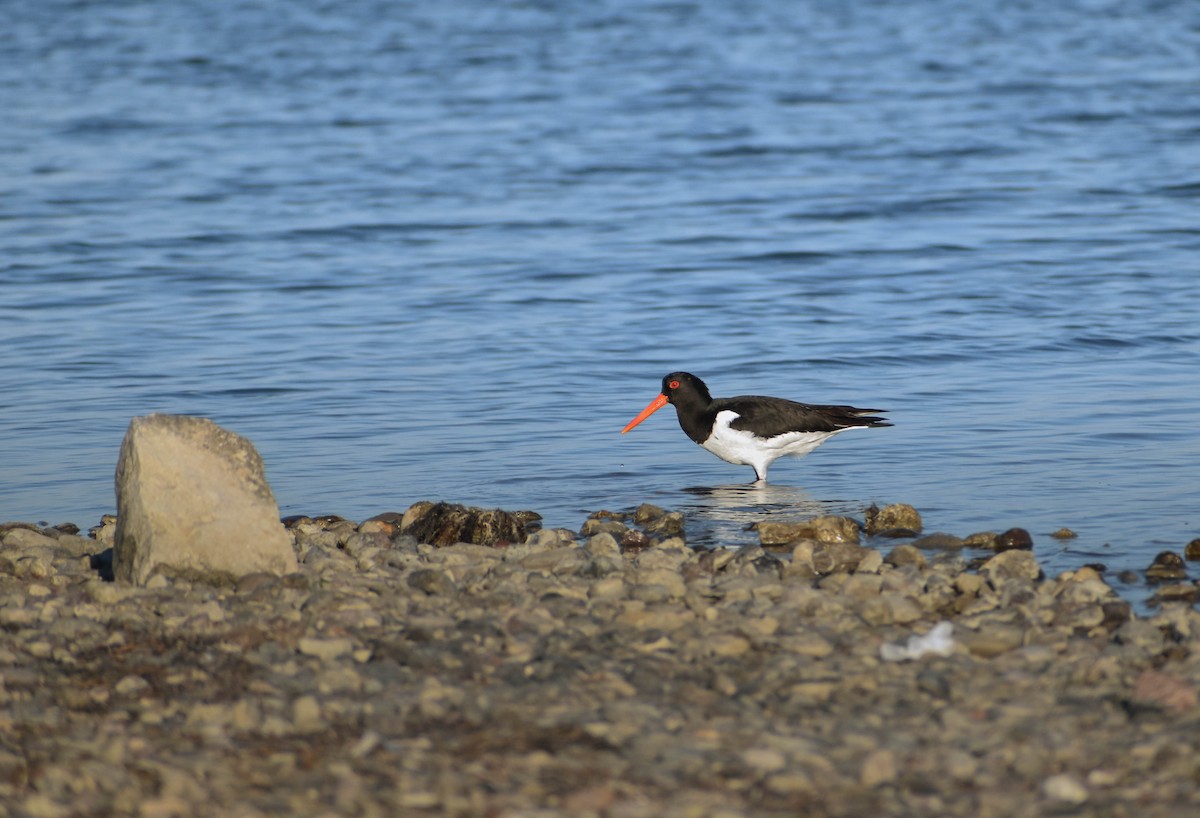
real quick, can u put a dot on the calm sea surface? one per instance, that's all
(446, 250)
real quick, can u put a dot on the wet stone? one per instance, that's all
(1167, 565)
(668, 525)
(1013, 538)
(634, 540)
(895, 520)
(981, 539)
(828, 529)
(1191, 551)
(647, 513)
(1186, 592)
(595, 526)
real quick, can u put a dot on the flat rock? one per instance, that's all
(828, 528)
(193, 501)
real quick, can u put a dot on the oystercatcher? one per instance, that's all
(752, 430)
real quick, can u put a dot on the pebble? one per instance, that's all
(1065, 788)
(574, 674)
(879, 767)
(326, 650)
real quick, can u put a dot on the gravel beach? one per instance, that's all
(611, 671)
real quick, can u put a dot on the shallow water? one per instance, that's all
(447, 250)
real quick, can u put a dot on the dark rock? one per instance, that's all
(634, 540)
(1064, 534)
(1116, 613)
(668, 525)
(1014, 539)
(1167, 565)
(531, 520)
(102, 563)
(449, 523)
(395, 517)
(647, 513)
(896, 533)
(1191, 551)
(388, 523)
(609, 515)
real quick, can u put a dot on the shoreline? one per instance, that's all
(612, 672)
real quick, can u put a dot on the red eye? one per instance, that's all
(673, 384)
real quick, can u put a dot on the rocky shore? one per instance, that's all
(611, 671)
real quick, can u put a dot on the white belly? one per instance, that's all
(745, 449)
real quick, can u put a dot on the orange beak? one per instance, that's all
(655, 405)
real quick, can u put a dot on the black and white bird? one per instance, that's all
(752, 430)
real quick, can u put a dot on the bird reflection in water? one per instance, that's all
(721, 516)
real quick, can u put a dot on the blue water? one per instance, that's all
(446, 250)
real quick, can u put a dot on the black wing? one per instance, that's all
(769, 417)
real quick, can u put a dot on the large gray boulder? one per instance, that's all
(193, 502)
